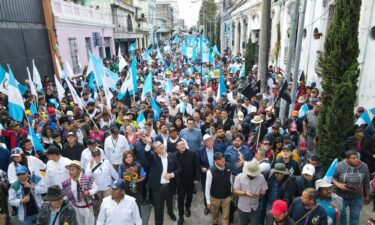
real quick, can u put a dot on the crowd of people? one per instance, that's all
(101, 164)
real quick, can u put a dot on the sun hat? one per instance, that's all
(257, 120)
(74, 163)
(322, 183)
(251, 168)
(279, 168)
(54, 193)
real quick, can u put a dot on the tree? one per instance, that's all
(339, 73)
(218, 40)
(249, 56)
(207, 18)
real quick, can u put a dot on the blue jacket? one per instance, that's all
(203, 160)
(232, 156)
(140, 157)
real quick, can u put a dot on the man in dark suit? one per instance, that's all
(234, 109)
(206, 161)
(225, 121)
(163, 169)
(188, 177)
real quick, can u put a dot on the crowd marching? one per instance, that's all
(159, 125)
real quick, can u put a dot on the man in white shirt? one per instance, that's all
(119, 209)
(114, 146)
(86, 153)
(56, 172)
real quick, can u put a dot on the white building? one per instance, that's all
(242, 18)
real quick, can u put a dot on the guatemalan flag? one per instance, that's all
(141, 120)
(222, 88)
(35, 140)
(363, 119)
(15, 102)
(302, 111)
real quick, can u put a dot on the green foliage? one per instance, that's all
(249, 57)
(339, 72)
(217, 33)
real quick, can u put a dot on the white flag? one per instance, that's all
(4, 85)
(122, 63)
(69, 71)
(60, 89)
(59, 70)
(75, 96)
(36, 78)
(31, 84)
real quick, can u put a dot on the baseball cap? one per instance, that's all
(308, 169)
(21, 169)
(71, 134)
(119, 184)
(206, 137)
(279, 207)
(16, 152)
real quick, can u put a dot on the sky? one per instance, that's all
(189, 11)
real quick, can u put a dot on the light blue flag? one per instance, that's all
(302, 111)
(201, 47)
(91, 83)
(184, 50)
(54, 102)
(363, 119)
(211, 58)
(114, 76)
(147, 86)
(168, 86)
(33, 109)
(141, 120)
(194, 56)
(234, 69)
(23, 89)
(2, 73)
(372, 111)
(183, 107)
(171, 66)
(132, 48)
(155, 108)
(134, 74)
(242, 72)
(1, 127)
(98, 69)
(222, 88)
(215, 51)
(331, 170)
(16, 107)
(35, 140)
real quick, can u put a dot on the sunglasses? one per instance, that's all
(266, 143)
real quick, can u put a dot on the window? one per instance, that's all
(88, 46)
(74, 54)
(130, 24)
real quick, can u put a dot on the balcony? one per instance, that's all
(74, 13)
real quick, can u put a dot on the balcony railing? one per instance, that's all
(69, 11)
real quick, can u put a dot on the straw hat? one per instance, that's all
(251, 168)
(257, 120)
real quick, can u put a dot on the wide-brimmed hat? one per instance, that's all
(301, 99)
(322, 183)
(54, 193)
(257, 119)
(74, 163)
(251, 168)
(279, 168)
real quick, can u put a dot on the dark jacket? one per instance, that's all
(72, 153)
(189, 167)
(227, 125)
(140, 156)
(222, 145)
(368, 152)
(233, 111)
(156, 168)
(302, 184)
(67, 214)
(203, 160)
(271, 221)
(284, 190)
(4, 198)
(316, 217)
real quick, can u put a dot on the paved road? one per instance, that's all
(197, 216)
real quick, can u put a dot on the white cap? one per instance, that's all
(206, 137)
(253, 109)
(240, 116)
(308, 169)
(322, 183)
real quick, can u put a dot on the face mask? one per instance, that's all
(250, 177)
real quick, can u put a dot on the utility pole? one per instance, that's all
(301, 23)
(264, 38)
(291, 50)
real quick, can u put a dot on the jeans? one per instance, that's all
(355, 206)
(30, 220)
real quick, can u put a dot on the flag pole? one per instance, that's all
(259, 130)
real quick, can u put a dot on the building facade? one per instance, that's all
(164, 21)
(81, 30)
(242, 18)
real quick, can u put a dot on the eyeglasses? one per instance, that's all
(266, 143)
